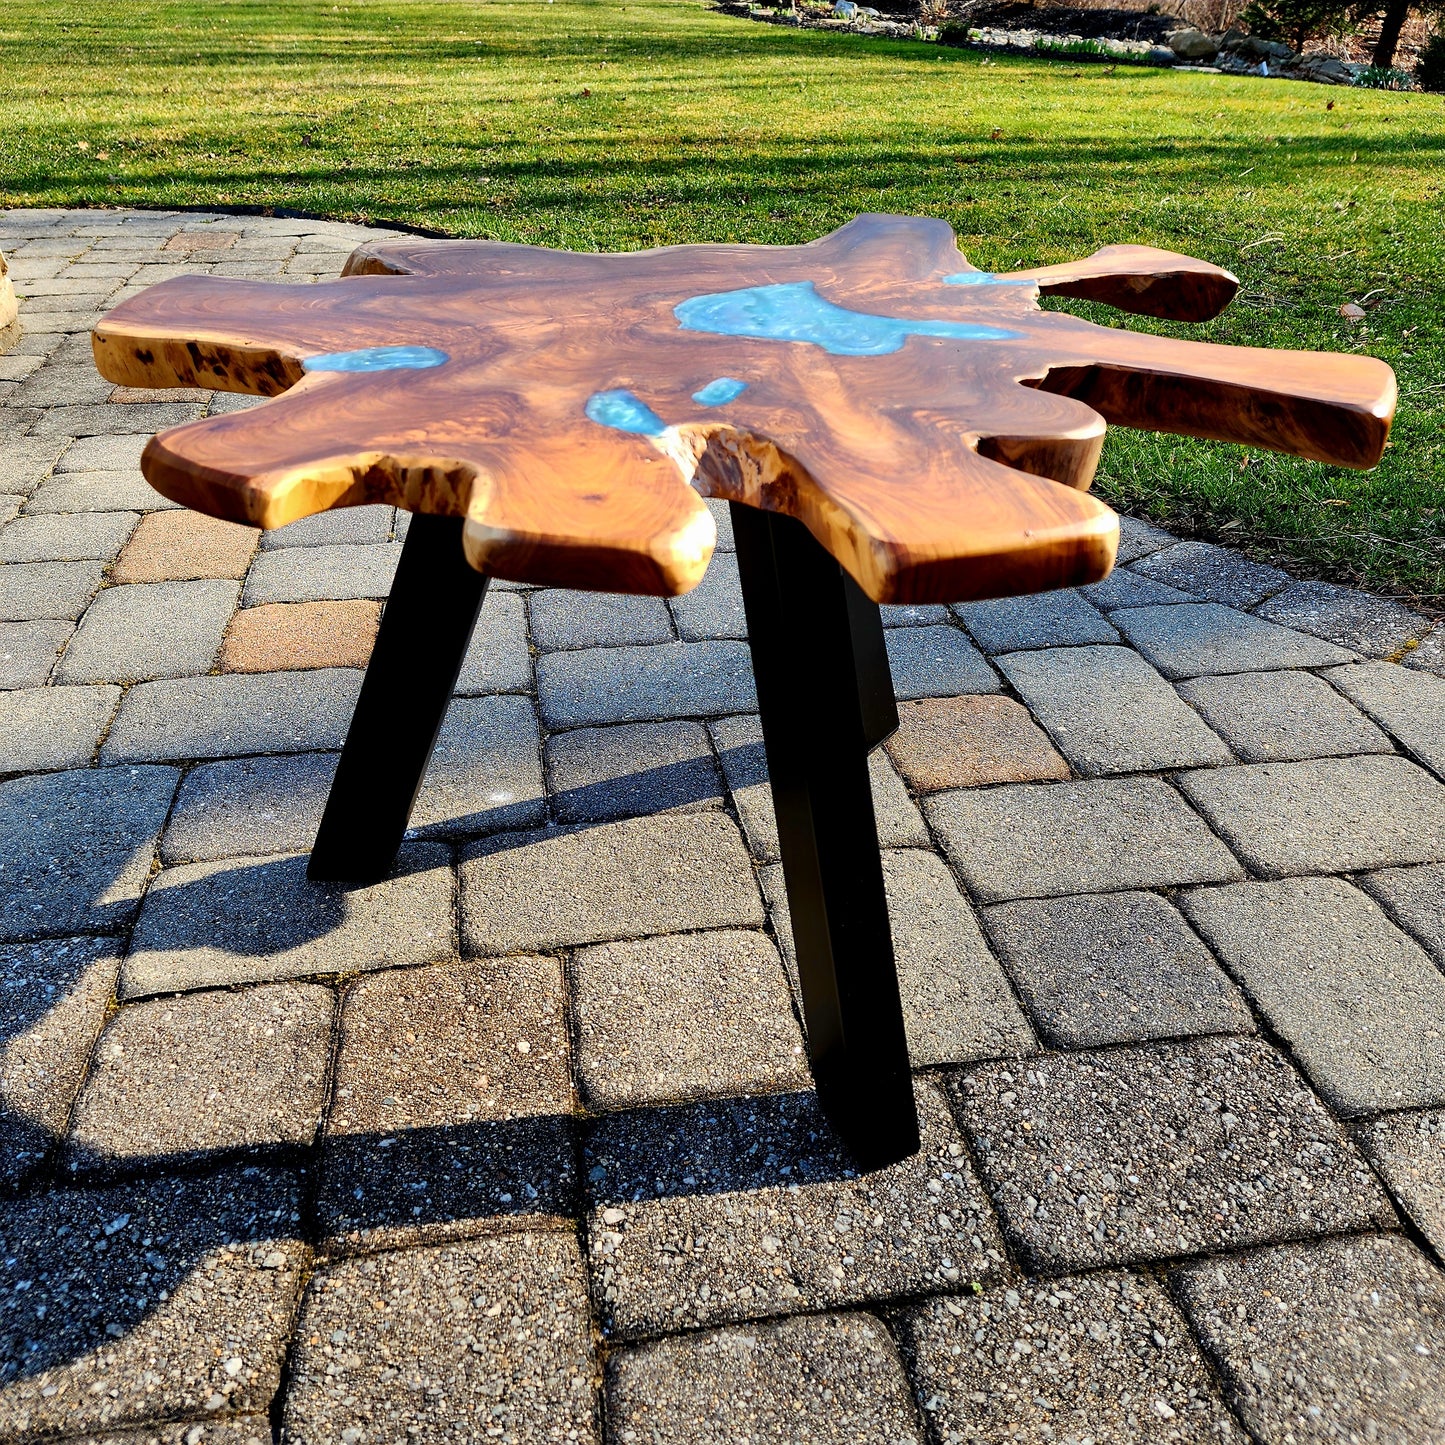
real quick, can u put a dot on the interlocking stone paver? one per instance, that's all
(30, 591)
(956, 1001)
(1150, 1153)
(1138, 539)
(44, 728)
(1047, 619)
(323, 573)
(936, 662)
(229, 1430)
(1114, 968)
(1202, 638)
(248, 806)
(182, 1080)
(1410, 704)
(1376, 626)
(1272, 717)
(105, 420)
(1216, 574)
(53, 998)
(97, 491)
(150, 630)
(473, 1341)
(1124, 587)
(1360, 1005)
(1035, 840)
(1408, 1151)
(357, 525)
(498, 659)
(641, 876)
(597, 774)
(25, 462)
(686, 1017)
(829, 1379)
(92, 536)
(28, 650)
(225, 717)
(566, 619)
(739, 743)
(10, 505)
(1429, 656)
(1101, 1357)
(61, 385)
(181, 546)
(1343, 1340)
(297, 635)
(486, 772)
(1326, 816)
(250, 920)
(913, 614)
(1108, 711)
(1412, 897)
(962, 742)
(172, 1296)
(102, 453)
(714, 608)
(641, 684)
(693, 1220)
(76, 848)
(451, 1108)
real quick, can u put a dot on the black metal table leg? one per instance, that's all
(825, 696)
(419, 651)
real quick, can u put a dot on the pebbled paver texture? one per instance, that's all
(519, 1143)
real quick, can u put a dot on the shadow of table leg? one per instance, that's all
(420, 647)
(826, 699)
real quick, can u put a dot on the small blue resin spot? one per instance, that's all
(793, 311)
(720, 392)
(985, 278)
(377, 358)
(624, 412)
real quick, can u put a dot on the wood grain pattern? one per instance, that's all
(934, 429)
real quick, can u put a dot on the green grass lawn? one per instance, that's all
(609, 125)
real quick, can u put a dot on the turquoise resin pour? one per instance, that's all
(793, 311)
(985, 278)
(720, 392)
(377, 358)
(624, 412)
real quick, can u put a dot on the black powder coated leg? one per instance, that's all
(826, 699)
(414, 666)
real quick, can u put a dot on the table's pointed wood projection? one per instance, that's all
(931, 426)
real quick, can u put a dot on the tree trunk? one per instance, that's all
(1395, 13)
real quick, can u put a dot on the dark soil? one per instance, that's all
(1065, 20)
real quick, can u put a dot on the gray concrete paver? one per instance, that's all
(1198, 639)
(597, 686)
(94, 536)
(451, 1110)
(1415, 899)
(32, 591)
(321, 573)
(1409, 703)
(1324, 816)
(1360, 1004)
(149, 630)
(497, 659)
(1113, 968)
(1143, 1154)
(214, 924)
(357, 525)
(692, 1220)
(692, 1016)
(1046, 619)
(166, 1297)
(836, 1378)
(181, 1080)
(1213, 573)
(484, 1339)
(1342, 1340)
(714, 608)
(598, 774)
(1408, 1152)
(565, 620)
(96, 491)
(1124, 587)
(1376, 626)
(46, 728)
(936, 662)
(1098, 1357)
(1138, 539)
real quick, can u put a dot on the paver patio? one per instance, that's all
(518, 1144)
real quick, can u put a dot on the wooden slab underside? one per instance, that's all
(945, 469)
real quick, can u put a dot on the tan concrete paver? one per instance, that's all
(300, 635)
(964, 742)
(182, 546)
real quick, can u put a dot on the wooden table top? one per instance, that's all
(931, 425)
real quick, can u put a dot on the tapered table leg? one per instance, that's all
(826, 698)
(420, 647)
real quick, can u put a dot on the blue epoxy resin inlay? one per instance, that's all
(624, 412)
(986, 278)
(720, 392)
(793, 311)
(377, 358)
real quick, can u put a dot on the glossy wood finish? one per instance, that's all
(944, 468)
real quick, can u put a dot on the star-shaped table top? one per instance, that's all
(929, 423)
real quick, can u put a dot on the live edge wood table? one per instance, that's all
(888, 424)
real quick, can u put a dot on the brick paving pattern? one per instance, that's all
(519, 1144)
